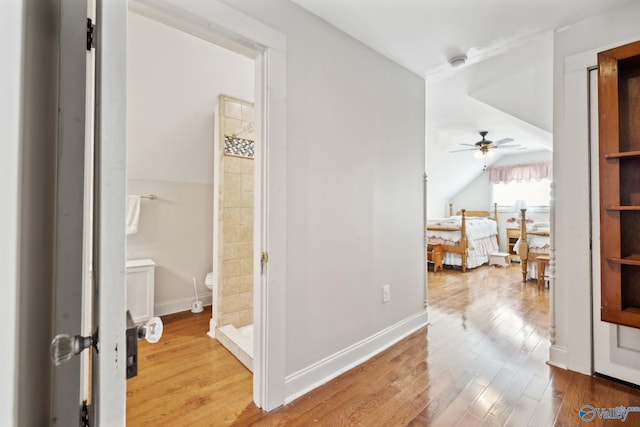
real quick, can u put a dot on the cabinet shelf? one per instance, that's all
(627, 260)
(622, 155)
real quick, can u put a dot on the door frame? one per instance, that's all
(12, 24)
(224, 26)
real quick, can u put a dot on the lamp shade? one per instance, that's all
(519, 205)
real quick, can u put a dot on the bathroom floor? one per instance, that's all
(187, 378)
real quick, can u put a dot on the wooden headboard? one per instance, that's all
(477, 213)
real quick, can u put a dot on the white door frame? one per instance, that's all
(611, 355)
(574, 315)
(220, 24)
(11, 38)
(109, 369)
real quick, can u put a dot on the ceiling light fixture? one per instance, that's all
(458, 60)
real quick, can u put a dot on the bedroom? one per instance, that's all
(510, 96)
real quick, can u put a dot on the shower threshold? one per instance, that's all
(239, 342)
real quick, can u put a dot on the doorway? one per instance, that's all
(222, 24)
(174, 175)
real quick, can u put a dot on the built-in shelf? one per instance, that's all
(627, 260)
(619, 167)
(622, 208)
(622, 154)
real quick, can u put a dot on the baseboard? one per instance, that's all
(319, 373)
(178, 305)
(558, 357)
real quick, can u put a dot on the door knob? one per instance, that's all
(64, 347)
(151, 331)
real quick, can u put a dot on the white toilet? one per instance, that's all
(140, 289)
(209, 281)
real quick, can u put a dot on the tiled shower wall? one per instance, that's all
(235, 294)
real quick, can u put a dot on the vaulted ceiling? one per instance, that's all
(505, 87)
(421, 35)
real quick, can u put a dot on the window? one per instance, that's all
(534, 193)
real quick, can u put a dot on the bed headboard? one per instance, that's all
(468, 213)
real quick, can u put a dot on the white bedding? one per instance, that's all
(537, 244)
(477, 228)
(481, 239)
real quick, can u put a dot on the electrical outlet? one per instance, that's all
(386, 293)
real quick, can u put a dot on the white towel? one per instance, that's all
(133, 214)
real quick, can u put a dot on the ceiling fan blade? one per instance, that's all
(469, 145)
(509, 146)
(465, 149)
(503, 141)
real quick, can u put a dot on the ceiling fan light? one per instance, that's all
(478, 155)
(491, 153)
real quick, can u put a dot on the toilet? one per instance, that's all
(140, 289)
(209, 281)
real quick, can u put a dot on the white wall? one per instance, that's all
(174, 80)
(571, 175)
(28, 79)
(354, 169)
(37, 198)
(478, 196)
(11, 33)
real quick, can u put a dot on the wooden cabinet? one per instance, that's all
(619, 158)
(513, 234)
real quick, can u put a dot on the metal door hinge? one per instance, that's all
(85, 419)
(263, 261)
(91, 41)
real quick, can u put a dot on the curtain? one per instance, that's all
(519, 173)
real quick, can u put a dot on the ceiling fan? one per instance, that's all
(484, 147)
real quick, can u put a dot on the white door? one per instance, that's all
(90, 270)
(616, 349)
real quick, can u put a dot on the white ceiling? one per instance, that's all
(506, 86)
(421, 35)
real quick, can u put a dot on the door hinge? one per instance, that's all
(91, 41)
(85, 419)
(263, 261)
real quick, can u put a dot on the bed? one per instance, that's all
(533, 242)
(467, 238)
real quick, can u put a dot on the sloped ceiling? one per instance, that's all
(421, 35)
(509, 95)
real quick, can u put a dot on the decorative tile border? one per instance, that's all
(234, 146)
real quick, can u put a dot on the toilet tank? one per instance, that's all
(140, 289)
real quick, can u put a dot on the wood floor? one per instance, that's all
(481, 361)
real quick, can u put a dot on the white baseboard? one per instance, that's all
(558, 357)
(319, 373)
(178, 305)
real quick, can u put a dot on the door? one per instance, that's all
(89, 291)
(616, 349)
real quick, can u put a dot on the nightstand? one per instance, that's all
(513, 234)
